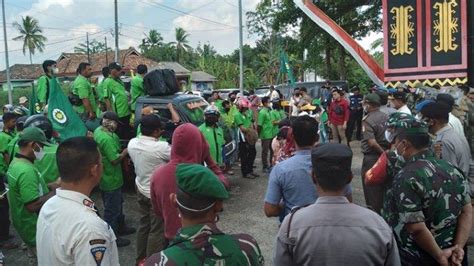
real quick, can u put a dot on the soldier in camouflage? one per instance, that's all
(199, 200)
(428, 203)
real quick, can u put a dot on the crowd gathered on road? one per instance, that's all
(417, 175)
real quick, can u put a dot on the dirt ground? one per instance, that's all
(243, 213)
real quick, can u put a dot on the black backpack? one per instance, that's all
(160, 82)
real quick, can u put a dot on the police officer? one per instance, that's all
(199, 200)
(213, 133)
(69, 229)
(112, 178)
(355, 118)
(373, 145)
(428, 204)
(333, 231)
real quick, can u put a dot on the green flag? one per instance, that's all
(65, 121)
(285, 67)
(33, 102)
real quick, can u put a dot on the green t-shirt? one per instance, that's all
(116, 90)
(109, 147)
(5, 139)
(229, 118)
(42, 91)
(136, 90)
(265, 121)
(244, 119)
(26, 185)
(276, 116)
(13, 146)
(82, 88)
(48, 166)
(215, 139)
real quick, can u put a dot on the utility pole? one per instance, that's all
(7, 64)
(241, 51)
(106, 52)
(116, 33)
(88, 50)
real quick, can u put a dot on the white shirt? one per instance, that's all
(456, 124)
(147, 154)
(69, 232)
(404, 109)
(294, 105)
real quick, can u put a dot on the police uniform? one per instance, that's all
(205, 244)
(333, 231)
(426, 190)
(355, 119)
(374, 125)
(70, 232)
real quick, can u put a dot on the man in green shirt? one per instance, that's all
(277, 114)
(137, 89)
(265, 132)
(119, 100)
(199, 200)
(28, 191)
(213, 133)
(247, 138)
(112, 180)
(42, 93)
(82, 88)
(102, 95)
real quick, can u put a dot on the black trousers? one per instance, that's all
(4, 214)
(374, 193)
(247, 154)
(355, 122)
(124, 130)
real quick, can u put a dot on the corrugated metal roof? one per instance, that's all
(201, 76)
(22, 72)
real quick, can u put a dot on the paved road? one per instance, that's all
(243, 213)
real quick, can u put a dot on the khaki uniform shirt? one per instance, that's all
(70, 232)
(373, 127)
(335, 232)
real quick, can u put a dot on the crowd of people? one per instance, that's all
(415, 175)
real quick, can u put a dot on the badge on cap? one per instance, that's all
(98, 254)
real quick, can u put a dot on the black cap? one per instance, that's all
(398, 95)
(332, 153)
(152, 121)
(111, 116)
(355, 88)
(436, 110)
(445, 98)
(115, 65)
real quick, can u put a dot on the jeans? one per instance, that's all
(247, 155)
(266, 147)
(113, 211)
(150, 234)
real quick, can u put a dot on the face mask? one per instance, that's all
(227, 110)
(55, 70)
(39, 154)
(366, 108)
(110, 125)
(399, 155)
(210, 121)
(389, 136)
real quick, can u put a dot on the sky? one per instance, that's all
(66, 22)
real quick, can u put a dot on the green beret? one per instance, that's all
(372, 98)
(407, 123)
(199, 182)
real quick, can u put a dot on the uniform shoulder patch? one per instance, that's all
(97, 242)
(98, 254)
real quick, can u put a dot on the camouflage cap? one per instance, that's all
(407, 123)
(199, 182)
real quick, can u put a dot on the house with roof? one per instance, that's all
(202, 81)
(21, 75)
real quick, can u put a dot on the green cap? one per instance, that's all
(199, 182)
(372, 98)
(34, 134)
(407, 123)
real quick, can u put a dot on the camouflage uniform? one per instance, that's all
(426, 190)
(205, 244)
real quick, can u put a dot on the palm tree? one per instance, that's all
(152, 39)
(181, 43)
(31, 35)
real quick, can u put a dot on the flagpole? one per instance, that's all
(116, 33)
(7, 63)
(241, 51)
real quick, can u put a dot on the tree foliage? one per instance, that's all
(31, 34)
(95, 47)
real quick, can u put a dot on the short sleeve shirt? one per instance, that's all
(26, 185)
(373, 127)
(276, 116)
(243, 119)
(265, 121)
(47, 166)
(42, 92)
(82, 88)
(109, 147)
(137, 89)
(81, 239)
(5, 139)
(119, 96)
